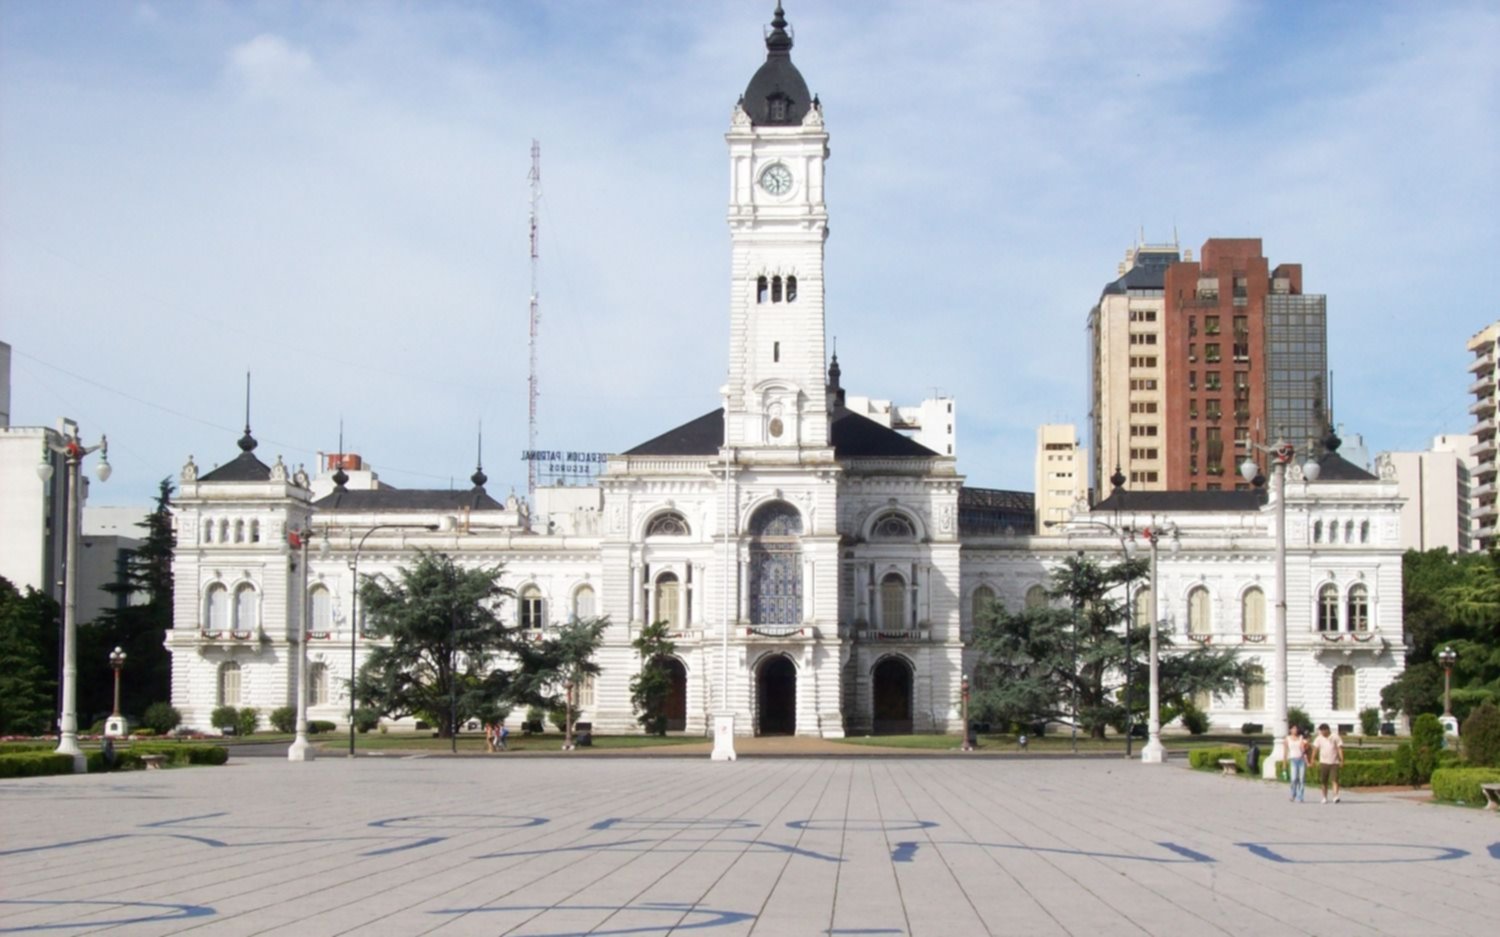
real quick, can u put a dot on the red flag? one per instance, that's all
(294, 540)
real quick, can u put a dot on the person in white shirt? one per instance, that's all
(1328, 752)
(1296, 761)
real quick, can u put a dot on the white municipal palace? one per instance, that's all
(845, 559)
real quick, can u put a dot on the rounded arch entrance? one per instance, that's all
(675, 708)
(776, 696)
(892, 691)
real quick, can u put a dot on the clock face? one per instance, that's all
(776, 179)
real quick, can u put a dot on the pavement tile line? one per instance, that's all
(677, 830)
(900, 853)
(1346, 901)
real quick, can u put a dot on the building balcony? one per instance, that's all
(883, 636)
(1487, 490)
(1484, 451)
(1483, 408)
(780, 632)
(1482, 364)
(1484, 387)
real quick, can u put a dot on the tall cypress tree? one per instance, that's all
(29, 626)
(140, 629)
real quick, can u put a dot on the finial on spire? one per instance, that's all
(479, 478)
(340, 477)
(247, 442)
(778, 39)
(1118, 478)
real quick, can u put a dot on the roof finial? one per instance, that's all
(778, 39)
(247, 442)
(340, 477)
(479, 478)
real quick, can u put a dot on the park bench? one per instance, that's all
(1228, 766)
(1491, 795)
(153, 762)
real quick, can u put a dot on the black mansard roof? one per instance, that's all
(408, 499)
(852, 436)
(1148, 272)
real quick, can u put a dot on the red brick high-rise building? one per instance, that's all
(1207, 355)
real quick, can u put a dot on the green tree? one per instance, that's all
(569, 658)
(1450, 600)
(29, 625)
(448, 646)
(137, 627)
(650, 687)
(1033, 662)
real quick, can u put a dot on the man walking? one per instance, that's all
(1328, 750)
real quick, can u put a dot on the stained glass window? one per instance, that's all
(670, 524)
(776, 566)
(893, 527)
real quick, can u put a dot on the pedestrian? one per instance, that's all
(1329, 752)
(1296, 760)
(504, 735)
(489, 737)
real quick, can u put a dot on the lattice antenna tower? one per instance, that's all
(535, 178)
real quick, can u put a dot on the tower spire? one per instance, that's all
(340, 477)
(479, 478)
(247, 442)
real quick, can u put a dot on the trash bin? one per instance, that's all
(1252, 759)
(583, 734)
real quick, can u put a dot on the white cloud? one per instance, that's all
(269, 66)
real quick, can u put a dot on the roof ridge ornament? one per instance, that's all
(247, 442)
(479, 478)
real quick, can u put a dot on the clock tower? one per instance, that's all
(776, 395)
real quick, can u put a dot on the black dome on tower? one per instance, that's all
(777, 95)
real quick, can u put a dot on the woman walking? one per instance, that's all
(1296, 760)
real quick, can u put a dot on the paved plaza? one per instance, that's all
(767, 846)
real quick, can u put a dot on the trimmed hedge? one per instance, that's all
(1207, 759)
(1367, 773)
(16, 748)
(1368, 754)
(34, 764)
(183, 754)
(124, 761)
(1461, 785)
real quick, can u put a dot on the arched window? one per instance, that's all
(1343, 688)
(255, 531)
(892, 603)
(1317, 531)
(533, 609)
(208, 531)
(1328, 608)
(776, 565)
(322, 609)
(670, 524)
(239, 531)
(583, 603)
(1348, 531)
(980, 602)
(1364, 531)
(1253, 611)
(1145, 607)
(776, 289)
(1203, 700)
(1359, 607)
(669, 600)
(1036, 597)
(791, 289)
(224, 531)
(229, 684)
(762, 289)
(1255, 689)
(317, 685)
(583, 693)
(1200, 611)
(246, 608)
(892, 526)
(216, 608)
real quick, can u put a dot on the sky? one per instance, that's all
(334, 197)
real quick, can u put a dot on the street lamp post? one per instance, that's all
(568, 715)
(116, 725)
(724, 718)
(1447, 657)
(1281, 456)
(354, 618)
(301, 749)
(73, 452)
(968, 745)
(1153, 753)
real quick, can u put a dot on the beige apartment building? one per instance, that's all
(1435, 485)
(1061, 474)
(1482, 492)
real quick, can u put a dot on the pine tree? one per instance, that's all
(29, 625)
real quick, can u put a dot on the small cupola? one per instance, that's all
(777, 94)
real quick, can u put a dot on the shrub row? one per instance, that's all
(1461, 785)
(1368, 754)
(183, 754)
(34, 764)
(1207, 759)
(1369, 773)
(15, 748)
(124, 761)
